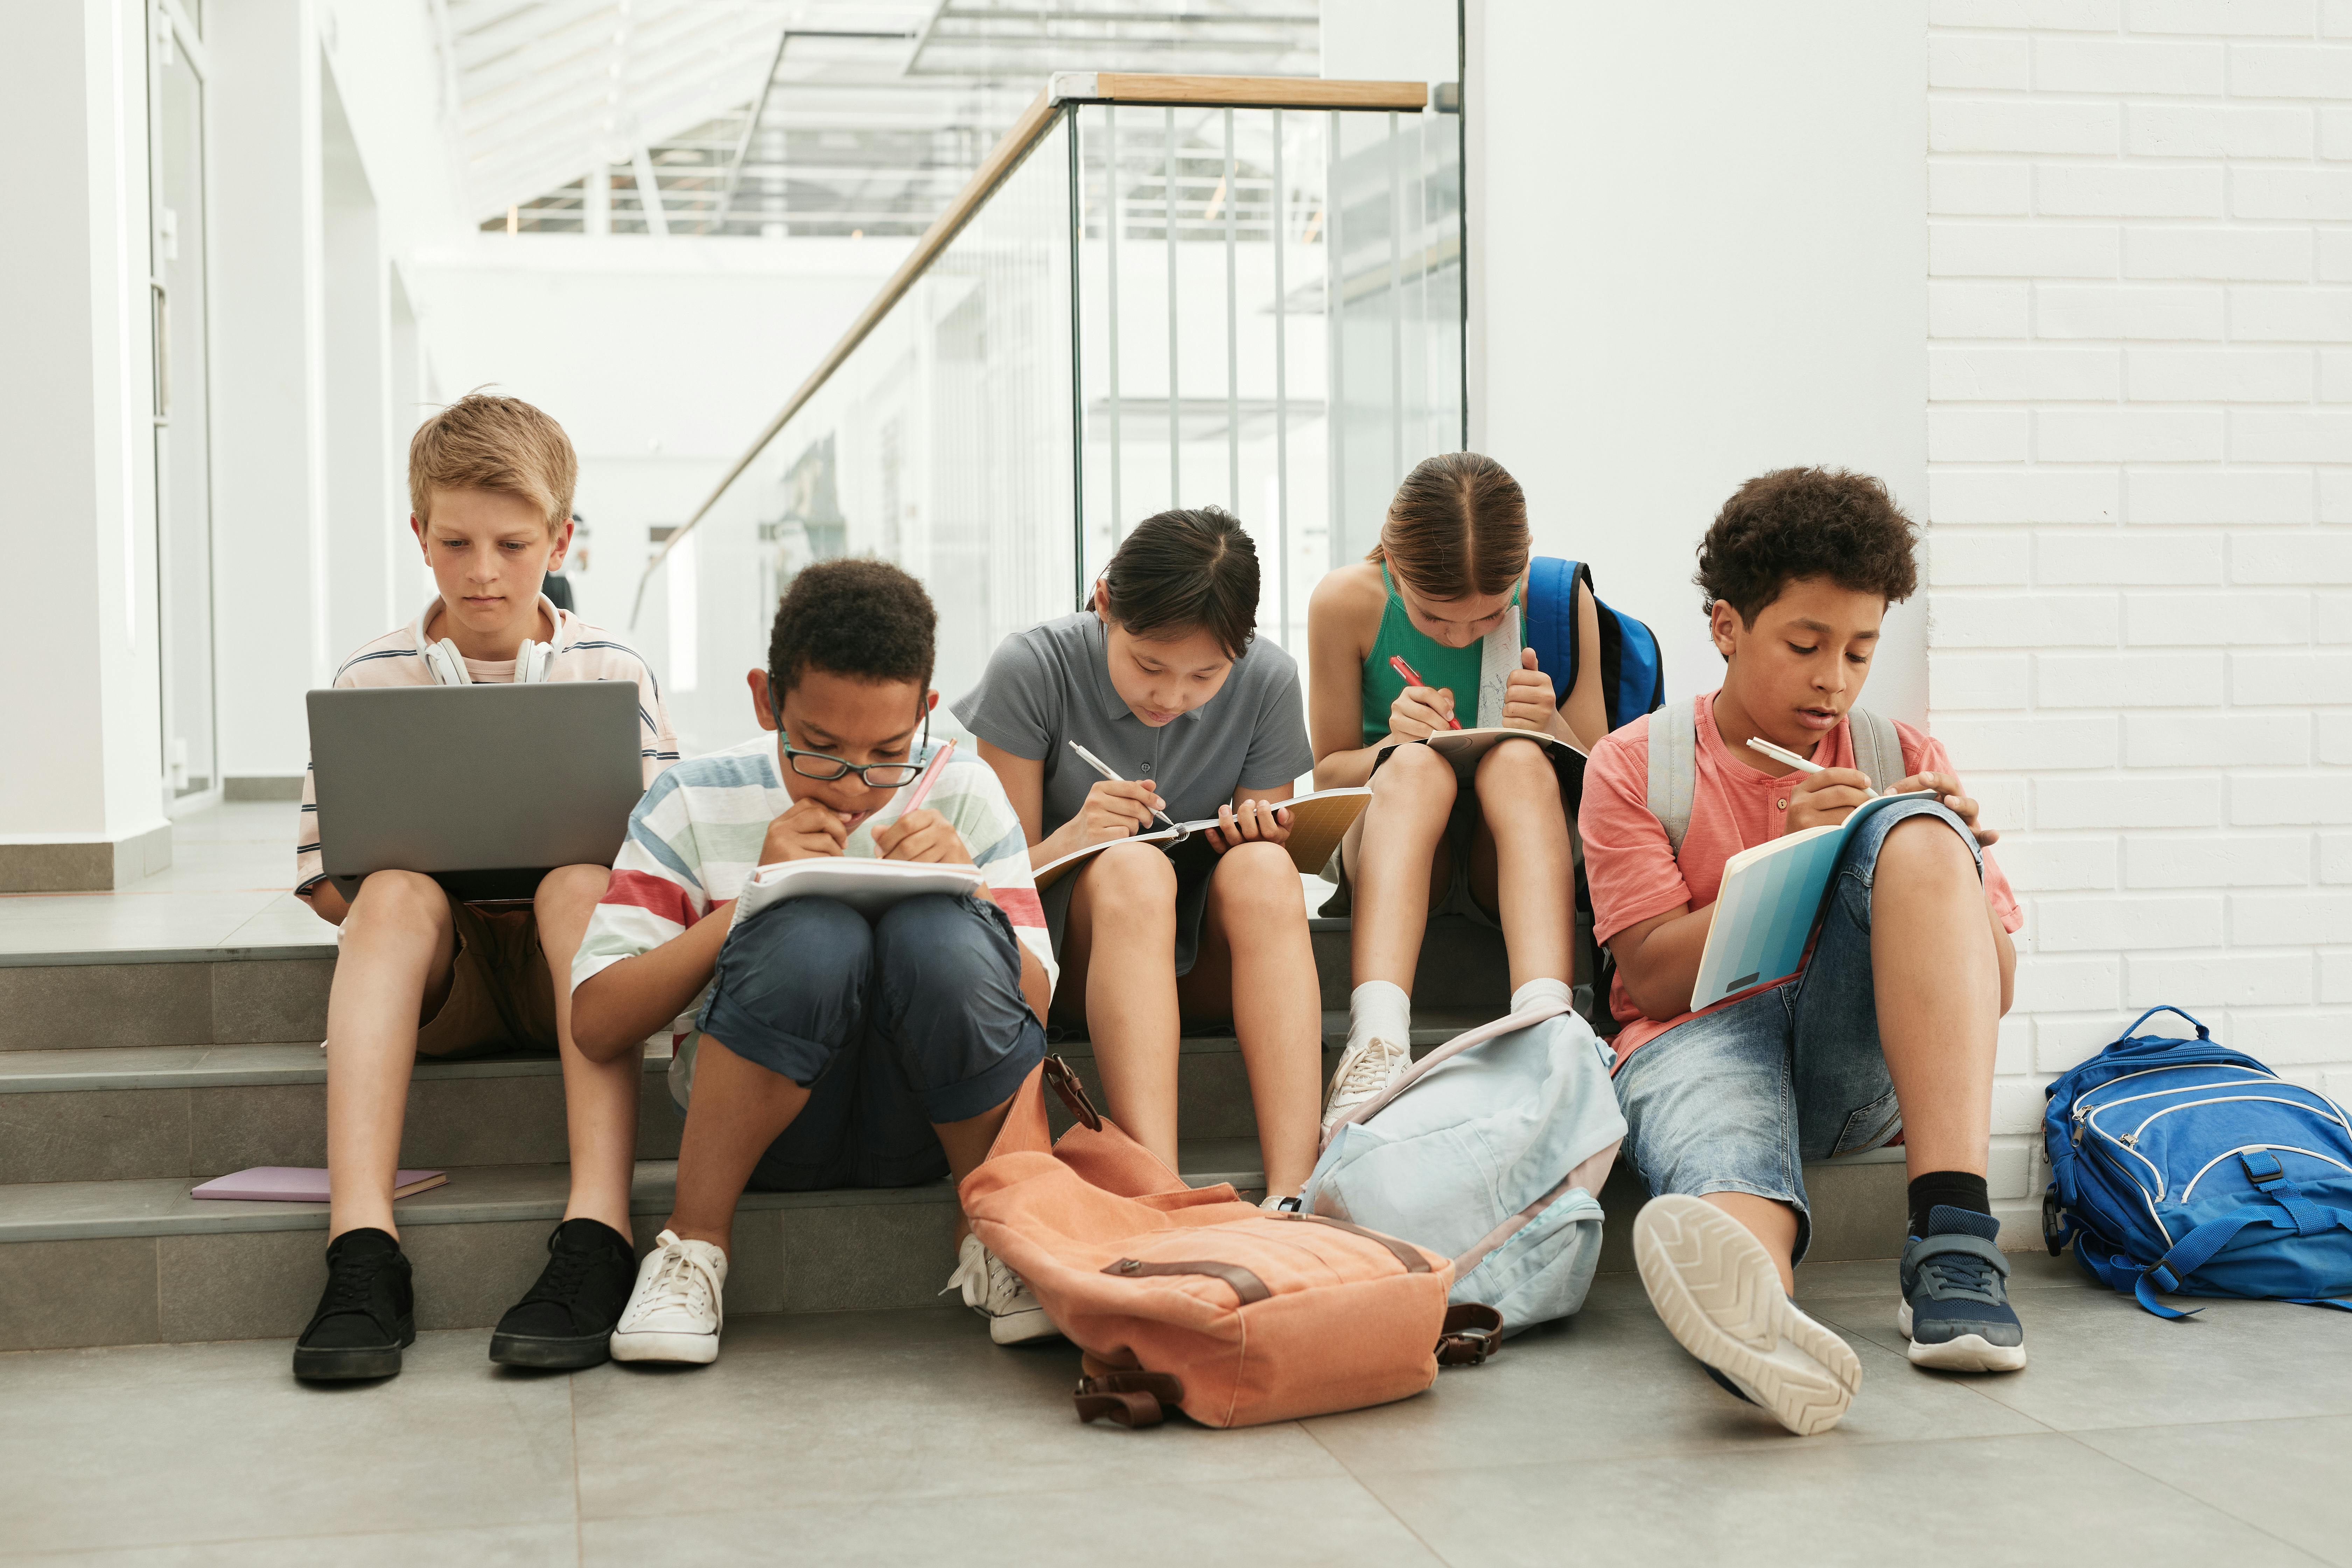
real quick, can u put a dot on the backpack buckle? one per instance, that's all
(2265, 1169)
(2053, 1223)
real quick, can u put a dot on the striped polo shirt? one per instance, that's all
(695, 840)
(582, 652)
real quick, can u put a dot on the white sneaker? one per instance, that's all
(1363, 1074)
(1717, 1292)
(992, 1288)
(674, 1314)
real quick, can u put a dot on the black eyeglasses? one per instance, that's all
(873, 776)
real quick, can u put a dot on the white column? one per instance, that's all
(82, 802)
(270, 503)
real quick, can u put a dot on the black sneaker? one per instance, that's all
(367, 1314)
(566, 1319)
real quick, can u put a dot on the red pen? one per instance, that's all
(1412, 677)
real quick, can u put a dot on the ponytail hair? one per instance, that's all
(1457, 527)
(1194, 570)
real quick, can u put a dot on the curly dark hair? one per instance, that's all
(863, 619)
(1806, 523)
(1179, 571)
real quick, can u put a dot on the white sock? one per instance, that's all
(1536, 991)
(1379, 1008)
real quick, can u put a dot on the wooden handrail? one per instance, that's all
(1066, 89)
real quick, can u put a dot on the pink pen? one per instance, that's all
(923, 785)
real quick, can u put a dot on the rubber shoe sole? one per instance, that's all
(1021, 1328)
(1715, 1289)
(567, 1354)
(1967, 1352)
(689, 1349)
(349, 1364)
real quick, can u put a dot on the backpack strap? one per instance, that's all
(1877, 748)
(1674, 770)
(1551, 620)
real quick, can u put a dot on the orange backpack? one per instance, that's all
(1194, 1298)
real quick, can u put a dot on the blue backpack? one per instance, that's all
(2184, 1166)
(1633, 673)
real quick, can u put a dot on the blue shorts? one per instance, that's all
(1737, 1099)
(892, 1026)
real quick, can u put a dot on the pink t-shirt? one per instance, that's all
(1635, 876)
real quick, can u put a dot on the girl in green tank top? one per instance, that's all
(1444, 592)
(1454, 669)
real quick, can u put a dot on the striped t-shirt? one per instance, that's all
(695, 840)
(582, 652)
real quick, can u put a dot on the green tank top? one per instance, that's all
(1454, 669)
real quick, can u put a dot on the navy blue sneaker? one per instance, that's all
(1955, 1309)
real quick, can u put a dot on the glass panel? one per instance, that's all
(183, 425)
(1211, 243)
(942, 443)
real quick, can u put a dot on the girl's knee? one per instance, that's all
(1413, 774)
(1259, 879)
(1516, 768)
(1131, 880)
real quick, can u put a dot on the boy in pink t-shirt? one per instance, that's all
(1888, 1031)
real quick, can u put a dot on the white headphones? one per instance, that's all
(532, 661)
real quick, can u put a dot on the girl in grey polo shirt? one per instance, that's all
(1162, 680)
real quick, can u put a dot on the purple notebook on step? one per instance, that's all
(303, 1185)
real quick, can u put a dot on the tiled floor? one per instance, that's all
(228, 886)
(907, 1438)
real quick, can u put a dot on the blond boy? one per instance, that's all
(490, 482)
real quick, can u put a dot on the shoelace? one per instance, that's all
(1369, 1072)
(987, 1281)
(351, 1282)
(564, 1270)
(1959, 1275)
(683, 1283)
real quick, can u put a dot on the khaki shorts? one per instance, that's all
(501, 997)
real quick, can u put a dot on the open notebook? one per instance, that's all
(870, 887)
(1765, 908)
(1318, 822)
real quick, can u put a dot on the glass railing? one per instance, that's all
(1161, 291)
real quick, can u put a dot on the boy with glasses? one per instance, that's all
(825, 1051)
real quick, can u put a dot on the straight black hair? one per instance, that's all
(1185, 571)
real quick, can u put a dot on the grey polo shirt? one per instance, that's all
(1051, 685)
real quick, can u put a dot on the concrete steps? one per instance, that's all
(127, 1078)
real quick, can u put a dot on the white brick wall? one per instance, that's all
(2140, 514)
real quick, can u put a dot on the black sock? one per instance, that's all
(1953, 1189)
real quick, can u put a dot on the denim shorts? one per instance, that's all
(1736, 1100)
(893, 1026)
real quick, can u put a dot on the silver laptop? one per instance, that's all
(483, 788)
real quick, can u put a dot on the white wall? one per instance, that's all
(77, 624)
(2141, 490)
(1697, 254)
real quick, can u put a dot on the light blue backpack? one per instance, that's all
(1489, 1150)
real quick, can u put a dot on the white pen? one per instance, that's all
(1783, 754)
(1099, 766)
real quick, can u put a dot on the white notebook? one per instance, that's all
(1765, 908)
(870, 887)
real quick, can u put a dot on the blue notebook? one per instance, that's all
(1765, 911)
